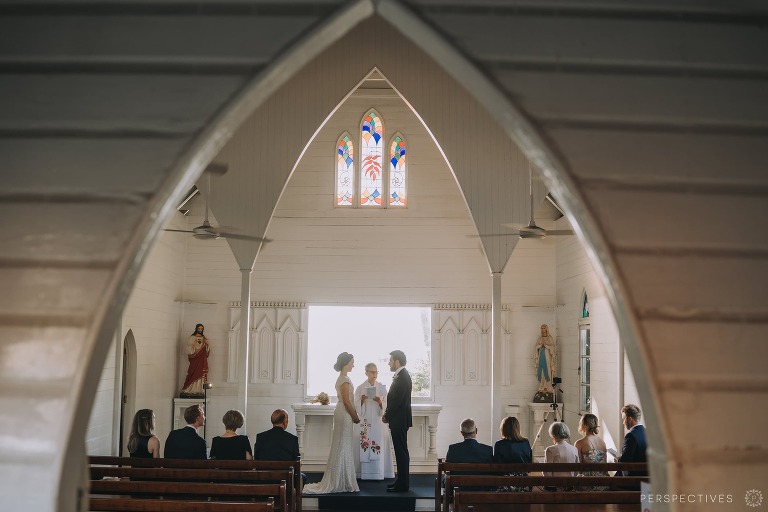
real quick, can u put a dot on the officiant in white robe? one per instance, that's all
(373, 459)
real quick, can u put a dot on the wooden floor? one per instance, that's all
(374, 497)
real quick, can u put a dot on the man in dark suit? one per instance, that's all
(277, 443)
(399, 417)
(184, 443)
(470, 450)
(634, 446)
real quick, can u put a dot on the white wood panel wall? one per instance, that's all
(664, 101)
(575, 275)
(491, 171)
(656, 114)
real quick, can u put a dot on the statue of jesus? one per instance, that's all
(197, 350)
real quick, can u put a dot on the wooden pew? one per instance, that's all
(193, 490)
(147, 505)
(466, 501)
(442, 500)
(191, 475)
(294, 488)
(581, 489)
(213, 476)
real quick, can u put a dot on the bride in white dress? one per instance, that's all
(340, 475)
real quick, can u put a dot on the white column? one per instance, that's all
(245, 330)
(497, 353)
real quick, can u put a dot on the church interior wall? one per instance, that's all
(153, 315)
(575, 276)
(423, 255)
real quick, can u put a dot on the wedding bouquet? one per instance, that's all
(321, 398)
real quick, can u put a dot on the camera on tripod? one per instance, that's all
(556, 381)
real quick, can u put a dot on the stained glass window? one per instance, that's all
(397, 170)
(372, 133)
(345, 171)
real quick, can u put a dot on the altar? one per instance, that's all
(314, 427)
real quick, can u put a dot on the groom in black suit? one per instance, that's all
(400, 418)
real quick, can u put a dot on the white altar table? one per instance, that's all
(314, 426)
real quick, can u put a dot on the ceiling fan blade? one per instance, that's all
(236, 236)
(557, 232)
(493, 235)
(179, 230)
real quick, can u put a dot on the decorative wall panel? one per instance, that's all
(461, 343)
(276, 342)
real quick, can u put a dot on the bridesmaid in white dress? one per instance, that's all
(340, 475)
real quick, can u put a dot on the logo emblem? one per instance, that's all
(754, 498)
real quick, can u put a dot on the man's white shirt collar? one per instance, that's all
(398, 371)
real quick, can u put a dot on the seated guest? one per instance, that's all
(512, 448)
(562, 450)
(591, 447)
(277, 443)
(184, 443)
(142, 441)
(633, 449)
(469, 450)
(231, 446)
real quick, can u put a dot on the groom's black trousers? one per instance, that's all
(402, 457)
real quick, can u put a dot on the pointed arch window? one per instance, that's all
(397, 171)
(585, 363)
(345, 170)
(363, 178)
(371, 142)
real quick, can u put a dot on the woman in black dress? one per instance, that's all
(142, 441)
(231, 446)
(512, 448)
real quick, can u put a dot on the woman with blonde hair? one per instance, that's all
(591, 447)
(142, 441)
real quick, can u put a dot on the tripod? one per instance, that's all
(554, 409)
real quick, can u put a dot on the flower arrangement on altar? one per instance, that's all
(321, 398)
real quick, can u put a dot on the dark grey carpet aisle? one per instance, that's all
(373, 495)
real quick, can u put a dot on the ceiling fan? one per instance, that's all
(208, 232)
(532, 230)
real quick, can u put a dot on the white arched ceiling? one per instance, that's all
(647, 117)
(109, 114)
(490, 170)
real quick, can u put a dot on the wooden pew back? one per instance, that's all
(193, 490)
(148, 505)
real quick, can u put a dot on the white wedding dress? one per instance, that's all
(339, 473)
